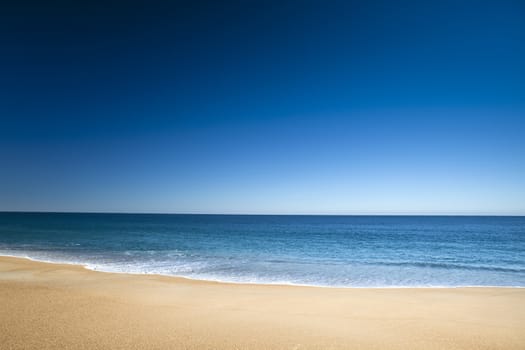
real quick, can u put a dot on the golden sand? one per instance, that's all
(51, 306)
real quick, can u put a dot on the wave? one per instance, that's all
(448, 266)
(234, 275)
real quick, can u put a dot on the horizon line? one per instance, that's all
(246, 214)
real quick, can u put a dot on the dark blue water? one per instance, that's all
(350, 251)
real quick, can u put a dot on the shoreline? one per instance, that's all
(86, 267)
(49, 306)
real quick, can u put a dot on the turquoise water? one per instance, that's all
(343, 251)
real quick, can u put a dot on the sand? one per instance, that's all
(52, 306)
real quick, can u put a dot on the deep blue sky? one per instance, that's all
(332, 107)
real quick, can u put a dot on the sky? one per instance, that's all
(263, 107)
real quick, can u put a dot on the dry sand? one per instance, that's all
(51, 306)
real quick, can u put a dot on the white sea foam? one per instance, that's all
(235, 279)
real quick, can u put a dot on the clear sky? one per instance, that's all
(330, 107)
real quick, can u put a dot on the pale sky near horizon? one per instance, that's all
(311, 107)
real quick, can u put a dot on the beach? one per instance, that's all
(56, 306)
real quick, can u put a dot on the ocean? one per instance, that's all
(331, 251)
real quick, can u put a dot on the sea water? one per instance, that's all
(336, 251)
